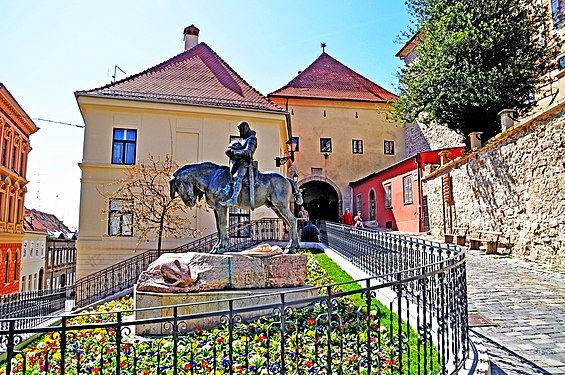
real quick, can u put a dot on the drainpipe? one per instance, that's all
(420, 226)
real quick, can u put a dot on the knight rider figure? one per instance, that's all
(241, 157)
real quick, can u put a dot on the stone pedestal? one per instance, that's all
(200, 284)
(197, 272)
(159, 305)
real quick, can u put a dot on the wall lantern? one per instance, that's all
(291, 148)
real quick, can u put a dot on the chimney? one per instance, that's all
(190, 37)
(475, 138)
(507, 118)
(443, 157)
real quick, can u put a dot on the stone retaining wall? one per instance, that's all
(515, 184)
(420, 138)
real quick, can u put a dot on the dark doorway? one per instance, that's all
(41, 281)
(321, 201)
(372, 205)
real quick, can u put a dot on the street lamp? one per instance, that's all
(291, 148)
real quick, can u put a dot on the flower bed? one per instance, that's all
(339, 336)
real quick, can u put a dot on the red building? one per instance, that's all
(392, 197)
(15, 129)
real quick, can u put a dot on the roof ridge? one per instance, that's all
(227, 77)
(299, 74)
(157, 67)
(241, 78)
(366, 83)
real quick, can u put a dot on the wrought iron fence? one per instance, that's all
(119, 277)
(36, 304)
(441, 296)
(337, 329)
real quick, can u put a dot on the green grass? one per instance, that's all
(388, 318)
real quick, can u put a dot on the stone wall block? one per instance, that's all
(515, 187)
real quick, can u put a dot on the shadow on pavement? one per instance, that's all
(507, 362)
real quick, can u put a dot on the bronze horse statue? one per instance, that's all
(212, 181)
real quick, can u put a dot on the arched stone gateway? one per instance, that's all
(322, 199)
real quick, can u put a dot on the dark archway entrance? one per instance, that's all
(40, 281)
(321, 201)
(372, 205)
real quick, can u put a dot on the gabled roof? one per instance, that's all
(327, 78)
(15, 112)
(38, 221)
(196, 76)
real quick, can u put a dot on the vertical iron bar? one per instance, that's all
(118, 343)
(283, 334)
(175, 340)
(10, 346)
(329, 332)
(63, 344)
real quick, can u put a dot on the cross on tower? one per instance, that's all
(323, 45)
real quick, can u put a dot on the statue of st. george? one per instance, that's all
(241, 157)
(211, 181)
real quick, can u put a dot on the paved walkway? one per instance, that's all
(526, 302)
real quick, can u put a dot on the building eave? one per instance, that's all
(79, 94)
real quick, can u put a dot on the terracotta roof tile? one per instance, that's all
(196, 76)
(327, 78)
(39, 221)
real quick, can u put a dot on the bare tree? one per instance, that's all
(146, 204)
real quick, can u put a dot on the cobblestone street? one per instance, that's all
(526, 303)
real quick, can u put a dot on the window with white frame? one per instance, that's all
(120, 220)
(325, 145)
(357, 146)
(407, 193)
(389, 148)
(123, 146)
(359, 203)
(388, 196)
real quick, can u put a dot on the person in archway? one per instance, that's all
(310, 233)
(347, 218)
(358, 219)
(241, 157)
(303, 218)
(303, 214)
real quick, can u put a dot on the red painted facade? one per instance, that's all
(10, 262)
(15, 128)
(403, 209)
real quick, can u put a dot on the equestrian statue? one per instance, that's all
(223, 187)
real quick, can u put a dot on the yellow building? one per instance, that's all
(342, 132)
(189, 107)
(554, 89)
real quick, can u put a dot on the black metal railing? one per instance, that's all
(119, 277)
(35, 304)
(443, 296)
(327, 330)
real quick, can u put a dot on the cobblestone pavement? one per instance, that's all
(526, 302)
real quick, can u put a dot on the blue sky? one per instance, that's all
(50, 49)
